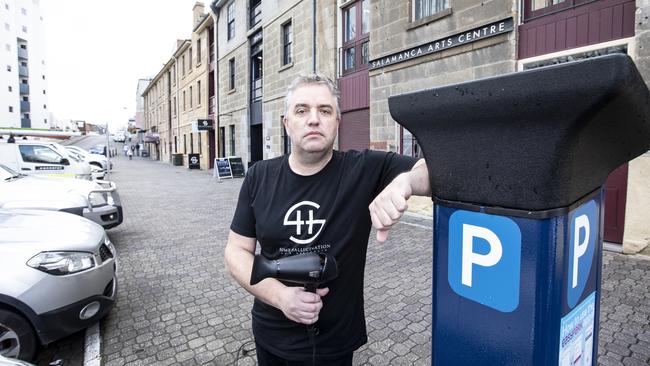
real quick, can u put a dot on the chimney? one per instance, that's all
(199, 11)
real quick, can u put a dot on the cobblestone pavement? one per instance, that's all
(177, 305)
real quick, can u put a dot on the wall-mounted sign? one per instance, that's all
(439, 45)
(202, 125)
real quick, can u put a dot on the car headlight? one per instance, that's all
(110, 245)
(97, 199)
(62, 263)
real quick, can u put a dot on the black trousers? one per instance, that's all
(266, 358)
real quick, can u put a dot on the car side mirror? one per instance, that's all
(64, 161)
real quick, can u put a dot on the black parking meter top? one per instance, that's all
(532, 140)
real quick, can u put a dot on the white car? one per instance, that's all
(96, 201)
(42, 158)
(98, 160)
(58, 277)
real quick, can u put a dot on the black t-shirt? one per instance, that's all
(325, 213)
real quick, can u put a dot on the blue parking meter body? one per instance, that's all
(516, 165)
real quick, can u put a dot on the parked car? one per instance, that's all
(58, 277)
(96, 201)
(98, 149)
(119, 137)
(93, 159)
(43, 158)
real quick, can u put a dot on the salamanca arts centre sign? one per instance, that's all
(472, 35)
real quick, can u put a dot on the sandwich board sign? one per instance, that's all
(222, 168)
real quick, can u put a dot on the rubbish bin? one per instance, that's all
(517, 164)
(177, 159)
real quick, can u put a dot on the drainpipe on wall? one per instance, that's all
(313, 26)
(215, 18)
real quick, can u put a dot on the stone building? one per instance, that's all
(422, 44)
(179, 101)
(262, 47)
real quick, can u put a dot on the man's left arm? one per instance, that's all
(389, 206)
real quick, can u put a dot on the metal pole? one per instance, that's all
(108, 151)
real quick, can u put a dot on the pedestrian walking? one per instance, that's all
(129, 152)
(137, 149)
(343, 194)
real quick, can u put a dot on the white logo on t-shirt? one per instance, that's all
(299, 223)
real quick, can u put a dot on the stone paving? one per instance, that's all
(178, 306)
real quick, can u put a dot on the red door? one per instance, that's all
(615, 196)
(354, 130)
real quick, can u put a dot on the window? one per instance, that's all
(39, 154)
(231, 69)
(539, 4)
(43, 91)
(184, 105)
(9, 68)
(10, 88)
(231, 20)
(356, 24)
(183, 66)
(23, 11)
(44, 106)
(175, 144)
(232, 140)
(190, 57)
(174, 108)
(45, 120)
(198, 52)
(11, 109)
(8, 47)
(199, 146)
(425, 8)
(190, 97)
(191, 143)
(287, 44)
(184, 144)
(198, 92)
(255, 12)
(24, 29)
(43, 77)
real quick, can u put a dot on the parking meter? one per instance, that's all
(517, 164)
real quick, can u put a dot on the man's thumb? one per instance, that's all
(382, 235)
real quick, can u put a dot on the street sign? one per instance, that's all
(222, 168)
(193, 161)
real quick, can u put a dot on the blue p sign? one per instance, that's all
(583, 234)
(484, 259)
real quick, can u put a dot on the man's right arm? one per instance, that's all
(296, 304)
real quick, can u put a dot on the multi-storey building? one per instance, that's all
(181, 97)
(262, 47)
(428, 43)
(139, 103)
(23, 84)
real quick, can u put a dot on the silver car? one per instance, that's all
(57, 276)
(96, 201)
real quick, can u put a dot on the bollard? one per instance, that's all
(517, 164)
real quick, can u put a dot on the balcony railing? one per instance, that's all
(24, 89)
(24, 106)
(25, 123)
(23, 71)
(22, 53)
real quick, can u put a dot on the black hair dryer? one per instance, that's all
(308, 269)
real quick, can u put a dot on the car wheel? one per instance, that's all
(17, 339)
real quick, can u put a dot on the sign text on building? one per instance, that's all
(472, 35)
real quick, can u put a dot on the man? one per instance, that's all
(316, 200)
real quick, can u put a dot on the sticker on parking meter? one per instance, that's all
(484, 259)
(583, 234)
(577, 334)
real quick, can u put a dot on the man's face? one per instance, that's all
(311, 121)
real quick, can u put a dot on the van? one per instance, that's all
(39, 157)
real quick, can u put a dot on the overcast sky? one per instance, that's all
(97, 50)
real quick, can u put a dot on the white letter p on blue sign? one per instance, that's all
(583, 234)
(484, 259)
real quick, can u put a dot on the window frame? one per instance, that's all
(287, 45)
(231, 74)
(549, 9)
(230, 20)
(355, 44)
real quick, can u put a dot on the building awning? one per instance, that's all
(153, 137)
